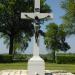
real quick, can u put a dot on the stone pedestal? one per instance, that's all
(36, 66)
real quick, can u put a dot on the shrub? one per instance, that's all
(5, 58)
(21, 58)
(65, 59)
(47, 58)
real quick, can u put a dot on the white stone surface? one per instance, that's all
(25, 72)
(35, 47)
(58, 72)
(62, 74)
(32, 15)
(36, 66)
(13, 72)
(37, 4)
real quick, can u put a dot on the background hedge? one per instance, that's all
(21, 57)
(5, 58)
(60, 58)
(65, 58)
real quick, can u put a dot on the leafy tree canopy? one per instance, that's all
(69, 17)
(55, 38)
(17, 32)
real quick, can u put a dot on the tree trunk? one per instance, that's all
(53, 55)
(11, 45)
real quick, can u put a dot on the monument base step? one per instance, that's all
(36, 66)
(24, 72)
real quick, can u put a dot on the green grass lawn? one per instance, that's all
(67, 67)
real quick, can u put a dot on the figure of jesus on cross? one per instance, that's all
(37, 17)
(36, 64)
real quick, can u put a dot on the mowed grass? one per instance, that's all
(49, 66)
(65, 67)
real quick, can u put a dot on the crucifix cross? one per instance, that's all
(36, 16)
(36, 12)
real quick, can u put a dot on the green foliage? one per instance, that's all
(44, 7)
(47, 57)
(50, 58)
(1, 8)
(65, 59)
(21, 58)
(69, 17)
(55, 38)
(5, 58)
(51, 35)
(12, 27)
(17, 32)
(60, 58)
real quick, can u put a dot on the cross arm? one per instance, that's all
(33, 15)
(45, 15)
(27, 15)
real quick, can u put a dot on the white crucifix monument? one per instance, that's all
(36, 65)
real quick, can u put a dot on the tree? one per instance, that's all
(1, 7)
(69, 17)
(17, 32)
(11, 25)
(44, 7)
(55, 39)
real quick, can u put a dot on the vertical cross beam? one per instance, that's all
(37, 6)
(36, 65)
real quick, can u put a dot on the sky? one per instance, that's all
(58, 13)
